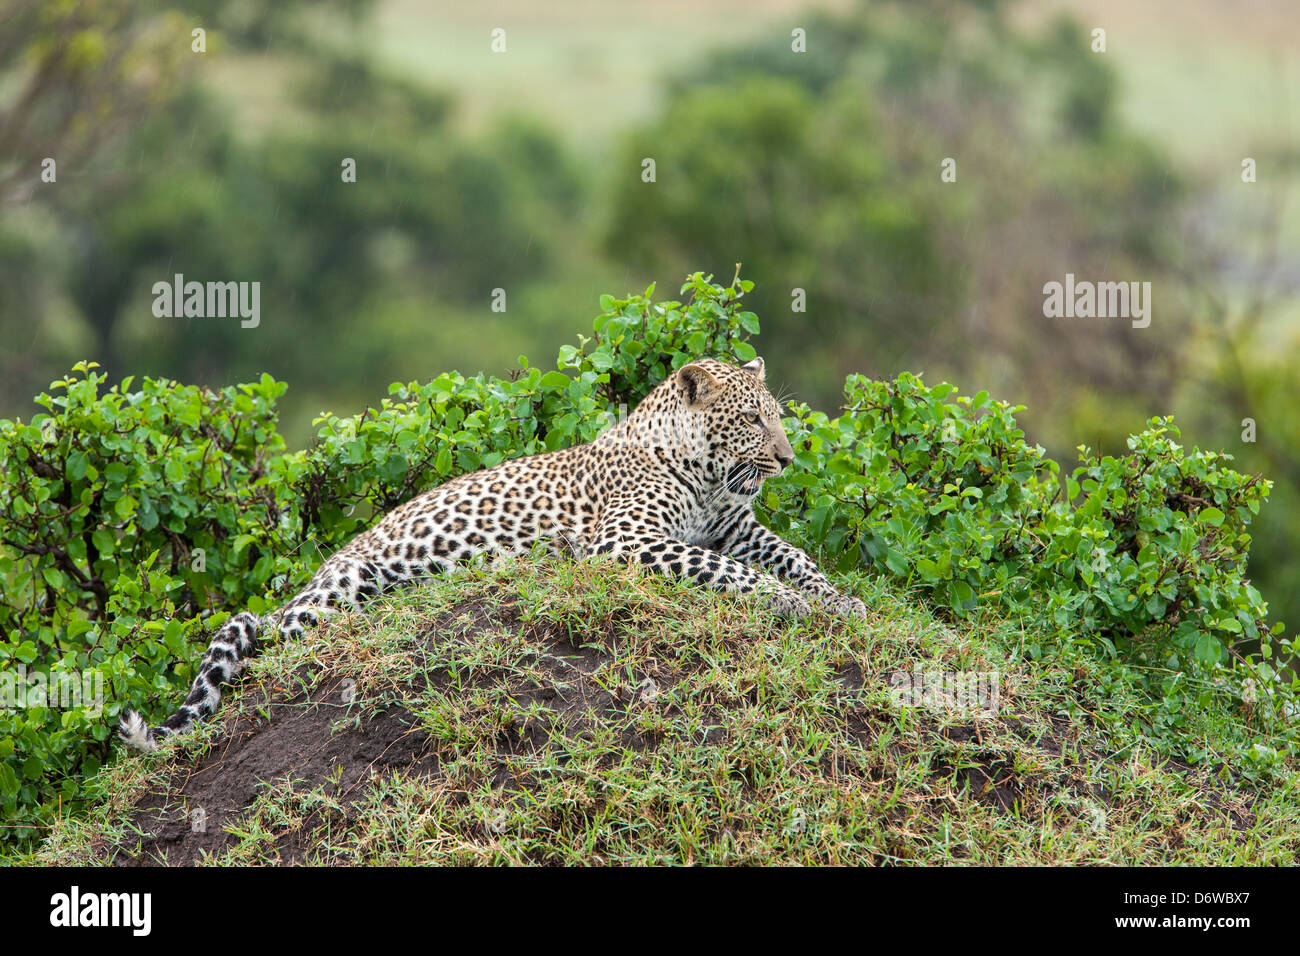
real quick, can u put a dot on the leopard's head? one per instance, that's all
(736, 420)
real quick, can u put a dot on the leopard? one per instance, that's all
(669, 488)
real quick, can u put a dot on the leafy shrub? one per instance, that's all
(132, 522)
(944, 492)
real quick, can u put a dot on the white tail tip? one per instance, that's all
(135, 732)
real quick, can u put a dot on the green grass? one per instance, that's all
(584, 713)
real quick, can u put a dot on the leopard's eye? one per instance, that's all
(753, 418)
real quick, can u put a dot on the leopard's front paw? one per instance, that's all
(843, 605)
(789, 603)
(572, 545)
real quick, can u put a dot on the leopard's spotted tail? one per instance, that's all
(230, 649)
(342, 580)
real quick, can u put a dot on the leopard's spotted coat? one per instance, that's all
(669, 487)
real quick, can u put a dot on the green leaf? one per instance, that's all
(442, 463)
(1211, 516)
(8, 779)
(961, 597)
(76, 467)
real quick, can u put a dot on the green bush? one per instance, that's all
(133, 521)
(943, 491)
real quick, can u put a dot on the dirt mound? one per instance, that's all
(308, 741)
(581, 715)
(186, 816)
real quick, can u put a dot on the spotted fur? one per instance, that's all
(670, 488)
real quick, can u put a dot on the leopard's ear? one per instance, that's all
(756, 366)
(698, 385)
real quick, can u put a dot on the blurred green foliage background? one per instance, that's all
(522, 171)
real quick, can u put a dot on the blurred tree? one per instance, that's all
(757, 170)
(433, 221)
(1239, 367)
(80, 74)
(822, 171)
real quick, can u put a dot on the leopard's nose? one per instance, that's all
(784, 457)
